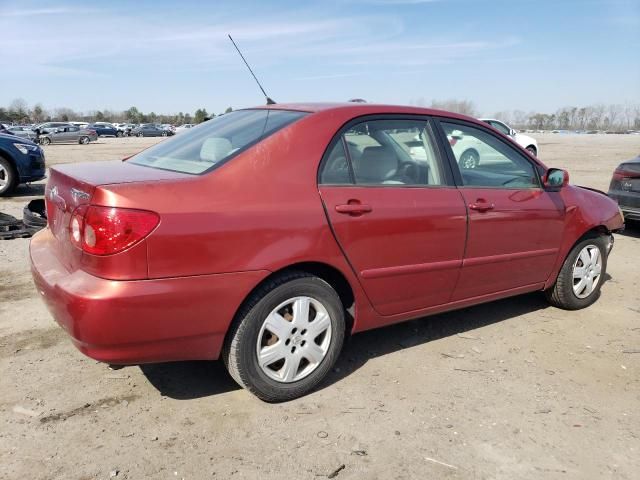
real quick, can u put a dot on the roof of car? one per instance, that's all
(364, 109)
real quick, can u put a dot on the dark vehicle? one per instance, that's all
(69, 134)
(21, 161)
(150, 131)
(105, 130)
(625, 188)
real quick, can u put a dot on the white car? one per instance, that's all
(184, 127)
(525, 141)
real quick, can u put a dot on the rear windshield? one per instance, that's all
(199, 149)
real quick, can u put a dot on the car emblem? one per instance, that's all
(626, 185)
(79, 195)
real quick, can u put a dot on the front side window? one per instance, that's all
(384, 152)
(487, 161)
(501, 127)
(215, 141)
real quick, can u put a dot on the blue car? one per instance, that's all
(21, 161)
(105, 130)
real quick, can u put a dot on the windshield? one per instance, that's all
(211, 143)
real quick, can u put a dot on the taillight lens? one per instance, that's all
(108, 230)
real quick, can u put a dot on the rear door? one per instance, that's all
(395, 212)
(515, 226)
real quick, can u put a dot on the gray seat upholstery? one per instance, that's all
(376, 165)
(215, 149)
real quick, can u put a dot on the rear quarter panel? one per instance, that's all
(259, 211)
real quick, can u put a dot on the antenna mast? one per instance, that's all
(269, 101)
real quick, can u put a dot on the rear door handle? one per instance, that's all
(353, 208)
(482, 206)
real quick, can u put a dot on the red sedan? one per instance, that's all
(266, 235)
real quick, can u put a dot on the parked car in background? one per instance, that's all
(69, 134)
(21, 161)
(530, 144)
(150, 130)
(125, 128)
(625, 188)
(168, 127)
(266, 235)
(23, 132)
(104, 129)
(49, 126)
(184, 127)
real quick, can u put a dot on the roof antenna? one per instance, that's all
(269, 101)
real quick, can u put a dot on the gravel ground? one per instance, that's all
(514, 389)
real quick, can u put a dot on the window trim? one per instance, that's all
(441, 158)
(537, 168)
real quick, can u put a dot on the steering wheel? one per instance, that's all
(408, 173)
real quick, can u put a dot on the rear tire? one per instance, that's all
(45, 141)
(469, 159)
(118, 134)
(8, 177)
(301, 357)
(84, 140)
(567, 292)
(532, 150)
(140, 135)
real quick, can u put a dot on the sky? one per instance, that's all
(174, 56)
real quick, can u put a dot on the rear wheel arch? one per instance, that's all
(331, 275)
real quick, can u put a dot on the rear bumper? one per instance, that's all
(143, 321)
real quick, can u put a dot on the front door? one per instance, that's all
(515, 226)
(395, 212)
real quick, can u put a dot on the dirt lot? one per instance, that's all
(509, 390)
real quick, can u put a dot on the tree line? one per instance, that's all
(18, 111)
(614, 117)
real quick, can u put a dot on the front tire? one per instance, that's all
(45, 141)
(286, 338)
(118, 134)
(140, 135)
(532, 150)
(8, 177)
(581, 276)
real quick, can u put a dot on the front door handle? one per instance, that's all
(353, 208)
(481, 205)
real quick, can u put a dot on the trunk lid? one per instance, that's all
(73, 185)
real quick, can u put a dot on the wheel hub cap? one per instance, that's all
(586, 271)
(294, 339)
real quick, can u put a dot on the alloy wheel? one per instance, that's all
(294, 339)
(586, 271)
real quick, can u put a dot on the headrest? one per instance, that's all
(215, 149)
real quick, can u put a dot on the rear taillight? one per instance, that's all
(108, 230)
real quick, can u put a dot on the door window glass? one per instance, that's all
(487, 161)
(386, 152)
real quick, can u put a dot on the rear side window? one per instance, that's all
(213, 142)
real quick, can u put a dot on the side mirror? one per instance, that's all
(555, 178)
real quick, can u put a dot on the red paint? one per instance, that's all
(405, 252)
